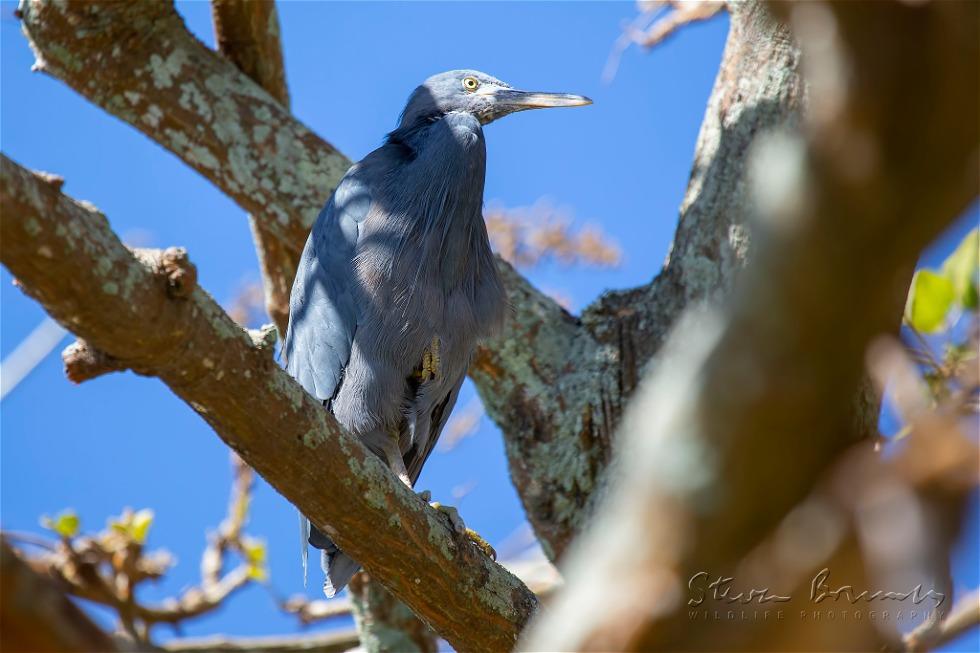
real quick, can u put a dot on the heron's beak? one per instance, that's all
(514, 100)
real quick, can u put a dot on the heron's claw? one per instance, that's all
(425, 495)
(457, 524)
(478, 540)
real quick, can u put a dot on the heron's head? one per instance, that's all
(486, 97)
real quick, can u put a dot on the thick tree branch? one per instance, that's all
(842, 217)
(36, 616)
(247, 33)
(140, 63)
(66, 257)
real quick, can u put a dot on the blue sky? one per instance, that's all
(121, 440)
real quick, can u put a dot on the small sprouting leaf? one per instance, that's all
(962, 269)
(258, 573)
(254, 549)
(140, 525)
(132, 525)
(930, 298)
(65, 524)
(255, 554)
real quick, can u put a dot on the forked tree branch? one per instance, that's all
(138, 311)
(202, 108)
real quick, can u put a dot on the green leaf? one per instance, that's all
(930, 298)
(255, 554)
(962, 269)
(254, 549)
(139, 528)
(65, 524)
(257, 573)
(135, 526)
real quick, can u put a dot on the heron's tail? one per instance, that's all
(337, 566)
(304, 538)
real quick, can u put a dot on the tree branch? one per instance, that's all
(130, 310)
(964, 616)
(331, 642)
(36, 616)
(140, 63)
(384, 624)
(248, 35)
(841, 219)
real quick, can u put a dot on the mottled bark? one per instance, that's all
(754, 402)
(247, 33)
(139, 62)
(138, 310)
(558, 385)
(35, 615)
(384, 624)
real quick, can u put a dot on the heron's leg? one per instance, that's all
(393, 454)
(457, 523)
(431, 362)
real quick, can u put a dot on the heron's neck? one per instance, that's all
(446, 177)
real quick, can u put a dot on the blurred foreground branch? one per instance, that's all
(36, 616)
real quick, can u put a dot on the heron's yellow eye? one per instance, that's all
(471, 83)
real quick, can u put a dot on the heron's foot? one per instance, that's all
(457, 524)
(478, 540)
(454, 519)
(425, 495)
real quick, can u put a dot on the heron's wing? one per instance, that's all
(415, 459)
(324, 300)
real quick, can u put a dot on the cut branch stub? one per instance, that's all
(84, 362)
